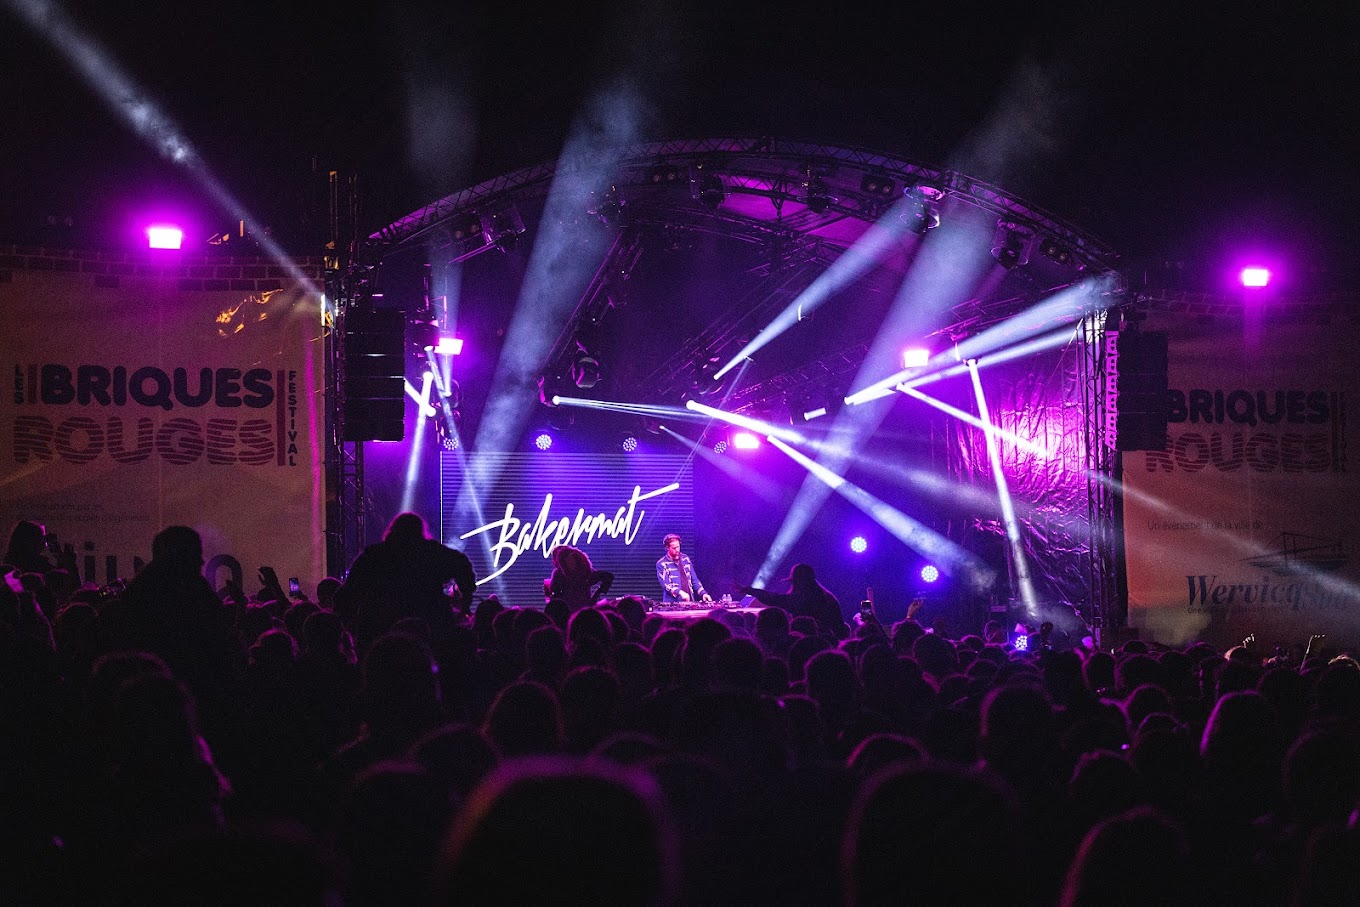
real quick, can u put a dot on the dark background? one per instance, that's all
(1176, 136)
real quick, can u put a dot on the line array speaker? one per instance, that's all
(1142, 387)
(375, 374)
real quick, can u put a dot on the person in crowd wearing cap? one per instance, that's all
(806, 597)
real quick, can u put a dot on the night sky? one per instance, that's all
(1171, 136)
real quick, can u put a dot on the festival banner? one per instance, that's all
(145, 400)
(1246, 523)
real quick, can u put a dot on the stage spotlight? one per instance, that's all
(930, 573)
(1011, 244)
(164, 236)
(466, 238)
(720, 446)
(859, 544)
(424, 335)
(503, 228)
(585, 371)
(915, 357)
(706, 189)
(466, 228)
(922, 213)
(448, 434)
(449, 345)
(452, 393)
(1053, 250)
(877, 185)
(543, 441)
(663, 174)
(815, 193)
(744, 440)
(551, 385)
(630, 444)
(707, 383)
(807, 404)
(1255, 277)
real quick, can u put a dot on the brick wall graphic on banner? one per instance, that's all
(146, 400)
(1247, 522)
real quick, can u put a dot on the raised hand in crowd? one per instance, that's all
(272, 590)
(1315, 644)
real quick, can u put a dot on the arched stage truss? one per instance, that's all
(797, 207)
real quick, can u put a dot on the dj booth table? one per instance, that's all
(684, 612)
(692, 613)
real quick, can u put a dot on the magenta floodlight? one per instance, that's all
(1254, 277)
(449, 345)
(915, 357)
(164, 236)
(744, 440)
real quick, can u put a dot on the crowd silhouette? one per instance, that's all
(387, 739)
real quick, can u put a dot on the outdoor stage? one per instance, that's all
(1173, 463)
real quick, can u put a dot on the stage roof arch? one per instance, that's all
(765, 185)
(796, 206)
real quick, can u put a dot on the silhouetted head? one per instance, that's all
(588, 831)
(27, 538)
(590, 622)
(572, 561)
(525, 719)
(882, 749)
(772, 623)
(390, 830)
(406, 528)
(458, 754)
(802, 575)
(963, 825)
(178, 546)
(325, 591)
(737, 664)
(1111, 864)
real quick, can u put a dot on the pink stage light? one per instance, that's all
(915, 357)
(744, 440)
(1255, 277)
(164, 236)
(449, 345)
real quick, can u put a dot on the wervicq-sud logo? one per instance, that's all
(1212, 592)
(117, 421)
(1296, 575)
(1259, 446)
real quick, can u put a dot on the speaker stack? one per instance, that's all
(375, 374)
(1142, 387)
